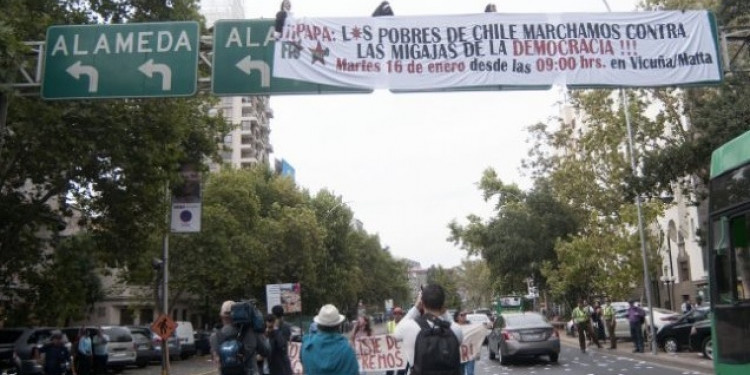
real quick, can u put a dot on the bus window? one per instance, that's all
(740, 229)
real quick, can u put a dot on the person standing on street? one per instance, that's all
(398, 314)
(611, 323)
(284, 327)
(431, 300)
(99, 347)
(636, 318)
(467, 368)
(686, 304)
(328, 352)
(582, 319)
(596, 318)
(698, 302)
(56, 355)
(278, 359)
(252, 343)
(84, 357)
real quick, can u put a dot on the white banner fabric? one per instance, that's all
(383, 352)
(638, 49)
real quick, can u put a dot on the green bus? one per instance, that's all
(511, 303)
(729, 256)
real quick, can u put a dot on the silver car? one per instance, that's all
(523, 334)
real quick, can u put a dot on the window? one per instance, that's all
(126, 317)
(147, 315)
(684, 270)
(248, 111)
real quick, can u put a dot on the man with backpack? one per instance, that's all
(235, 346)
(430, 340)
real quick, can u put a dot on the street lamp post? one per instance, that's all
(638, 204)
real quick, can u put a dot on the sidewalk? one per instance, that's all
(683, 359)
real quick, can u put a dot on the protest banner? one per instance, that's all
(379, 353)
(383, 352)
(637, 49)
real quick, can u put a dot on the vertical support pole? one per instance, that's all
(165, 281)
(4, 99)
(641, 231)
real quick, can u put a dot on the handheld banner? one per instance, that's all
(383, 352)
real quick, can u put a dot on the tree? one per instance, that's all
(713, 115)
(70, 285)
(521, 236)
(475, 281)
(446, 278)
(110, 159)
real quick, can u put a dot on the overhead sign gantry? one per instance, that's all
(470, 52)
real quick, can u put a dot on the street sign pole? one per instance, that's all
(165, 285)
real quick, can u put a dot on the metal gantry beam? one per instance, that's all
(734, 44)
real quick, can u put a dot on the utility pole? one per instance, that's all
(4, 99)
(165, 281)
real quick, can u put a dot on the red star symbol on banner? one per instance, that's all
(318, 54)
(356, 32)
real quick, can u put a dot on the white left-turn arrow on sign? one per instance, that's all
(247, 64)
(149, 68)
(76, 70)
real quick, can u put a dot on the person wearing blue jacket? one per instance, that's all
(328, 352)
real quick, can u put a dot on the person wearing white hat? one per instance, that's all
(328, 352)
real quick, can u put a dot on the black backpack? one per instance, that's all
(232, 353)
(437, 350)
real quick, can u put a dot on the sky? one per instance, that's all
(408, 164)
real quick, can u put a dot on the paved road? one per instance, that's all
(573, 362)
(193, 366)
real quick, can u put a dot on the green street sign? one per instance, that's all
(121, 61)
(243, 63)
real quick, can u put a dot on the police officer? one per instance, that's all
(610, 322)
(583, 323)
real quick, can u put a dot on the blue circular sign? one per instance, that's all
(186, 216)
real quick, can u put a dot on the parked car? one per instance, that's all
(700, 338)
(145, 352)
(18, 347)
(675, 336)
(174, 346)
(202, 343)
(525, 334)
(186, 335)
(662, 317)
(121, 350)
(154, 354)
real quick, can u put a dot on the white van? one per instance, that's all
(186, 335)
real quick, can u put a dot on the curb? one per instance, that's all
(684, 360)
